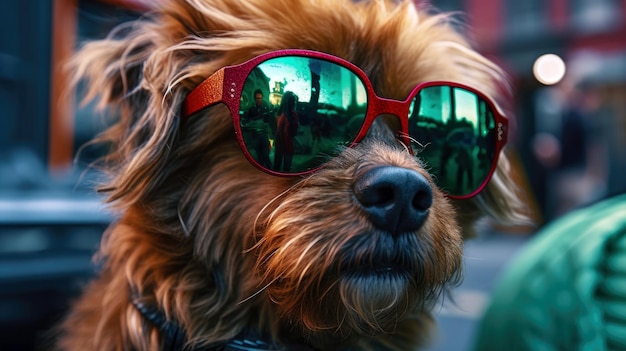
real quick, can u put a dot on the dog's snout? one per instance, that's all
(396, 199)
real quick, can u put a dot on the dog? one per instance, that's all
(349, 241)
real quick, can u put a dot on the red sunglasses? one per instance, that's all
(294, 109)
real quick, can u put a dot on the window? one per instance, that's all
(591, 16)
(526, 18)
(449, 5)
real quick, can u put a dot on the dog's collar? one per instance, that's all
(174, 336)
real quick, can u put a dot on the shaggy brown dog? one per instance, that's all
(208, 249)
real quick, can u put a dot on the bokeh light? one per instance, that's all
(549, 69)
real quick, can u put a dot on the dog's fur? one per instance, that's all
(219, 246)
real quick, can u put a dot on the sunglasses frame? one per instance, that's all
(226, 86)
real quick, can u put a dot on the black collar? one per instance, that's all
(174, 338)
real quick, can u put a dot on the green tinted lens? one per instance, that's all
(296, 112)
(454, 134)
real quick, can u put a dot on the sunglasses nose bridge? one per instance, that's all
(389, 112)
(400, 109)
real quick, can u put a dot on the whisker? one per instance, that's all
(271, 216)
(182, 222)
(258, 291)
(412, 140)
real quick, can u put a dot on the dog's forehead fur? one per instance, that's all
(396, 43)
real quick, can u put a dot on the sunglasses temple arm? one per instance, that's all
(503, 131)
(208, 93)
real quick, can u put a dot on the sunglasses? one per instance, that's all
(295, 109)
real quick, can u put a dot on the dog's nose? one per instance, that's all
(396, 199)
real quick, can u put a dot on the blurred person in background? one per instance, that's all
(573, 148)
(614, 116)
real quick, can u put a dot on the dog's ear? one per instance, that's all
(129, 74)
(141, 73)
(502, 200)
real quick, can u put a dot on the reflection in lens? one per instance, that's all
(309, 109)
(454, 133)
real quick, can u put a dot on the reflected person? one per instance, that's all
(255, 129)
(459, 147)
(286, 130)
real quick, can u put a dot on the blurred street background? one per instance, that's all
(484, 260)
(566, 60)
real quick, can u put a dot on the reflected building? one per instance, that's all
(276, 96)
(354, 107)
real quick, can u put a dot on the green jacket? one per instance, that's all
(566, 290)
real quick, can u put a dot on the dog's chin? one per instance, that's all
(377, 292)
(378, 278)
(375, 300)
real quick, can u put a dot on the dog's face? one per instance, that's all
(363, 246)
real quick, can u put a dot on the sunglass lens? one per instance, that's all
(297, 112)
(454, 134)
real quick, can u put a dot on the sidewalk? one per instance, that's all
(484, 259)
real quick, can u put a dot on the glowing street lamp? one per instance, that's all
(549, 69)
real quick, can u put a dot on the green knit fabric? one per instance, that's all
(566, 290)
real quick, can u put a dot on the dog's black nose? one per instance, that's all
(396, 199)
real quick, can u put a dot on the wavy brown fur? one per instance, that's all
(219, 246)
